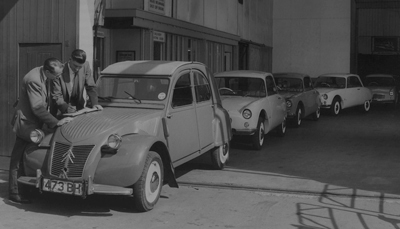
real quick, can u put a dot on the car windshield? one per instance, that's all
(134, 88)
(331, 82)
(380, 81)
(289, 84)
(241, 86)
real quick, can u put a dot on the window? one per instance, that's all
(202, 88)
(307, 83)
(182, 92)
(271, 90)
(353, 81)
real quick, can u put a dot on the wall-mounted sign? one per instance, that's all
(125, 55)
(157, 6)
(158, 36)
(385, 45)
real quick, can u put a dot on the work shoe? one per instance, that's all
(19, 199)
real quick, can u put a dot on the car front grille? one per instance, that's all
(68, 161)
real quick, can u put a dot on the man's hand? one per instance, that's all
(71, 109)
(64, 121)
(98, 107)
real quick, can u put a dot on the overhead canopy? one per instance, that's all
(129, 18)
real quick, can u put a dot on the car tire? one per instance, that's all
(316, 114)
(395, 102)
(366, 106)
(259, 135)
(335, 107)
(281, 129)
(220, 156)
(299, 114)
(147, 190)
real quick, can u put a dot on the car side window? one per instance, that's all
(271, 90)
(202, 87)
(307, 84)
(182, 94)
(353, 81)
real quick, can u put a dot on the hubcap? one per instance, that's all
(153, 181)
(261, 133)
(299, 117)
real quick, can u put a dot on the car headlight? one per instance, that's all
(36, 136)
(114, 141)
(289, 103)
(391, 93)
(246, 114)
(325, 96)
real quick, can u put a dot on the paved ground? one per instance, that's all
(339, 172)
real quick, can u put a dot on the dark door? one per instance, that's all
(30, 56)
(33, 55)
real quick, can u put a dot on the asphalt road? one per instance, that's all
(338, 172)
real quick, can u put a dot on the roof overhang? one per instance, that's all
(130, 18)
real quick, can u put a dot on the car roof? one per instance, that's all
(290, 74)
(242, 73)
(145, 67)
(380, 75)
(338, 74)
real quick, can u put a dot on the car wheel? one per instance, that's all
(281, 129)
(220, 156)
(259, 135)
(366, 106)
(335, 107)
(395, 102)
(147, 189)
(298, 118)
(316, 114)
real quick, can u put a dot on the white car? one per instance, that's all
(253, 103)
(342, 90)
(383, 87)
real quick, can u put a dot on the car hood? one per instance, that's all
(232, 103)
(288, 94)
(109, 120)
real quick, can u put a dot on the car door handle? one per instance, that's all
(169, 115)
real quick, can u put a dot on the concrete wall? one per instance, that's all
(311, 36)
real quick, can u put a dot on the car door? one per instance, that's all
(354, 92)
(204, 109)
(311, 96)
(276, 112)
(183, 139)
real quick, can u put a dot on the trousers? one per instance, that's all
(15, 169)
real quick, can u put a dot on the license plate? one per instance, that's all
(64, 187)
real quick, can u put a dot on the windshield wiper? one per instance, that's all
(133, 97)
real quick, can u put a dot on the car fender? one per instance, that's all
(35, 155)
(126, 166)
(221, 126)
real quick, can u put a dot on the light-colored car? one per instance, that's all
(341, 90)
(157, 115)
(253, 103)
(383, 87)
(302, 99)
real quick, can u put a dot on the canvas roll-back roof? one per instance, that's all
(242, 73)
(144, 67)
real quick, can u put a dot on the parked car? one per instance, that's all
(341, 90)
(383, 87)
(157, 115)
(302, 99)
(253, 104)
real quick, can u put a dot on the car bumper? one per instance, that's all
(243, 131)
(89, 187)
(381, 98)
